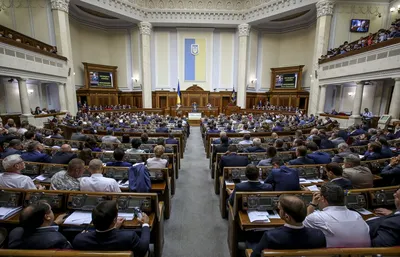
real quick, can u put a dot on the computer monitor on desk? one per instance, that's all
(259, 202)
(54, 199)
(10, 198)
(129, 203)
(356, 201)
(85, 202)
(382, 198)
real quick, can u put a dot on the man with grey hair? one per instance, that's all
(64, 155)
(34, 153)
(344, 151)
(360, 176)
(69, 179)
(256, 148)
(96, 182)
(12, 177)
(14, 147)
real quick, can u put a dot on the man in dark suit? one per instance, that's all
(119, 154)
(256, 148)
(283, 178)
(279, 145)
(385, 231)
(108, 236)
(318, 157)
(39, 229)
(374, 152)
(56, 134)
(293, 235)
(64, 156)
(301, 159)
(334, 172)
(162, 128)
(14, 147)
(361, 140)
(253, 184)
(34, 153)
(232, 159)
(223, 147)
(78, 136)
(323, 142)
(171, 140)
(391, 173)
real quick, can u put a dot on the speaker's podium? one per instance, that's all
(194, 118)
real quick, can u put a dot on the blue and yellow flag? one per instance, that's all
(233, 96)
(178, 96)
(195, 59)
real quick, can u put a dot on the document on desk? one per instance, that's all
(126, 215)
(313, 188)
(41, 177)
(79, 218)
(275, 215)
(363, 211)
(260, 216)
(6, 212)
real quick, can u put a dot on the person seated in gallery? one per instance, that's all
(333, 112)
(386, 152)
(15, 146)
(336, 139)
(343, 152)
(38, 229)
(212, 129)
(246, 140)
(253, 183)
(302, 159)
(64, 155)
(373, 152)
(171, 140)
(283, 178)
(232, 159)
(162, 129)
(56, 134)
(292, 235)
(256, 148)
(245, 129)
(178, 126)
(334, 173)
(34, 153)
(119, 154)
(322, 140)
(279, 145)
(271, 157)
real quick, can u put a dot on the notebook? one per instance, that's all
(6, 212)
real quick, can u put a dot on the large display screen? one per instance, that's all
(100, 79)
(286, 81)
(358, 25)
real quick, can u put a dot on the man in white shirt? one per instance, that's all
(96, 182)
(342, 227)
(12, 177)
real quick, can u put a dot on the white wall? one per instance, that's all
(287, 49)
(30, 18)
(53, 101)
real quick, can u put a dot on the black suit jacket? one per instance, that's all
(233, 160)
(248, 187)
(385, 231)
(343, 183)
(62, 157)
(114, 240)
(220, 149)
(255, 149)
(301, 161)
(285, 238)
(391, 174)
(45, 238)
(162, 130)
(284, 179)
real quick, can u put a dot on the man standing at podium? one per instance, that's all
(194, 107)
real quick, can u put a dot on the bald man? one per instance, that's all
(96, 182)
(64, 155)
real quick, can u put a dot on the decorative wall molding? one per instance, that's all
(145, 28)
(244, 30)
(325, 7)
(61, 5)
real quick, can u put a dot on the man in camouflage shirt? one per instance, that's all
(69, 179)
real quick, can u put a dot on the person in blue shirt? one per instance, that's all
(301, 159)
(34, 153)
(119, 154)
(14, 147)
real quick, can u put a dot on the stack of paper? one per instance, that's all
(6, 212)
(126, 215)
(79, 218)
(41, 177)
(258, 216)
(313, 188)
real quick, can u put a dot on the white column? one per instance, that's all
(145, 37)
(43, 95)
(23, 97)
(244, 32)
(61, 96)
(394, 109)
(63, 38)
(3, 88)
(322, 99)
(324, 17)
(355, 117)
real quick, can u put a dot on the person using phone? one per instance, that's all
(38, 229)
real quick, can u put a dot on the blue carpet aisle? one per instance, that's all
(195, 227)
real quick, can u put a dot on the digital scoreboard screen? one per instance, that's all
(286, 81)
(100, 79)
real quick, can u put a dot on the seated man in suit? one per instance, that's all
(322, 141)
(279, 145)
(317, 156)
(301, 153)
(334, 172)
(359, 176)
(119, 154)
(34, 153)
(253, 184)
(171, 140)
(64, 156)
(78, 136)
(110, 138)
(162, 129)
(336, 139)
(12, 177)
(391, 173)
(344, 151)
(341, 226)
(292, 235)
(385, 231)
(38, 229)
(222, 148)
(256, 148)
(96, 182)
(14, 147)
(283, 178)
(374, 152)
(109, 237)
(232, 159)
(361, 140)
(56, 134)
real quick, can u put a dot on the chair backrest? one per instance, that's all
(63, 253)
